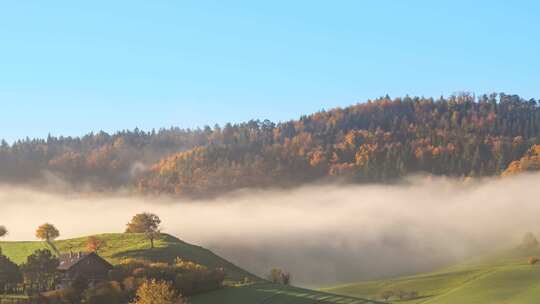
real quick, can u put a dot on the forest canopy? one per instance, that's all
(375, 141)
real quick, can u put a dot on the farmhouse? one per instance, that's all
(85, 265)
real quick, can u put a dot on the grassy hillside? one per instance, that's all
(505, 277)
(120, 246)
(265, 293)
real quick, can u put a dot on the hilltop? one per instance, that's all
(374, 141)
(504, 277)
(121, 246)
(133, 245)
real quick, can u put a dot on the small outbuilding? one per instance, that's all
(83, 265)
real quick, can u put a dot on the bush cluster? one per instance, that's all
(184, 277)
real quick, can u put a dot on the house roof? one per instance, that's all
(71, 259)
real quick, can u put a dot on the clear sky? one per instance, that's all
(71, 67)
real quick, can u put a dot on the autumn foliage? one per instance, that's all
(376, 141)
(528, 163)
(94, 244)
(157, 292)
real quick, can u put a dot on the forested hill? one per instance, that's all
(375, 141)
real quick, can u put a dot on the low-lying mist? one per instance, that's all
(322, 234)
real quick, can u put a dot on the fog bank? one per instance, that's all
(323, 234)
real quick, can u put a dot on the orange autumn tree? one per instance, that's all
(94, 244)
(528, 163)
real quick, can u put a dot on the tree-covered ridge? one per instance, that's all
(376, 141)
(102, 160)
(529, 162)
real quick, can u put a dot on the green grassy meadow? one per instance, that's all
(266, 293)
(121, 246)
(502, 278)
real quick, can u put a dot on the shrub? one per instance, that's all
(279, 276)
(188, 265)
(157, 292)
(131, 284)
(387, 294)
(66, 295)
(105, 293)
(187, 277)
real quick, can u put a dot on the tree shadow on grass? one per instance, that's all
(268, 293)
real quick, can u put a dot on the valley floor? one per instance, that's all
(504, 278)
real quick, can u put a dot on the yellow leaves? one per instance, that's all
(119, 143)
(47, 232)
(513, 168)
(350, 139)
(317, 158)
(529, 162)
(100, 158)
(67, 161)
(156, 292)
(419, 153)
(353, 138)
(436, 152)
(362, 156)
(188, 265)
(534, 151)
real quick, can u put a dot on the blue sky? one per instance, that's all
(71, 67)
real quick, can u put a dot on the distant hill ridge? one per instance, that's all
(376, 141)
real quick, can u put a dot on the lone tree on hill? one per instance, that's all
(48, 233)
(3, 231)
(94, 244)
(146, 223)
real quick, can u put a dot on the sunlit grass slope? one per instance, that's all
(265, 293)
(120, 246)
(505, 277)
